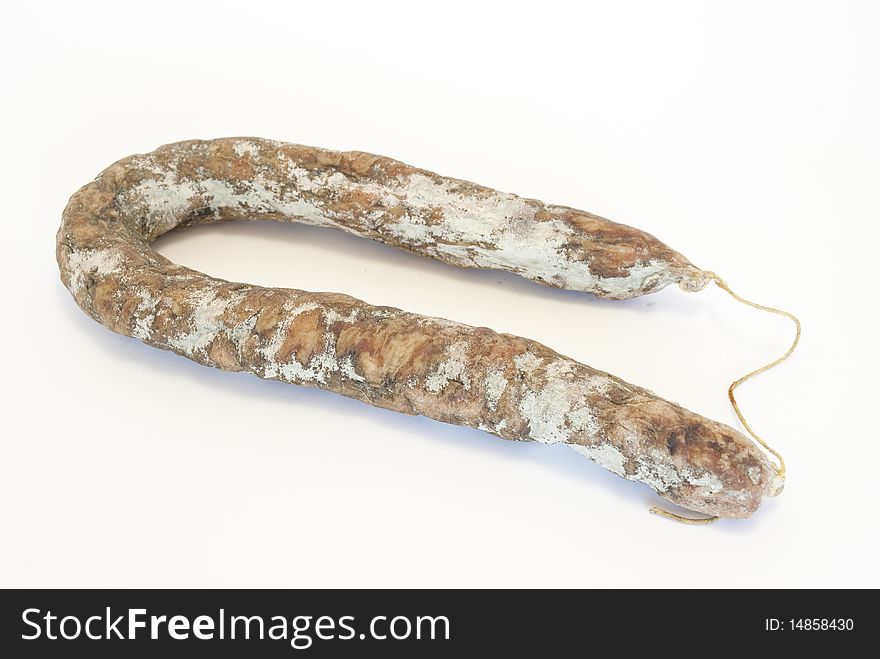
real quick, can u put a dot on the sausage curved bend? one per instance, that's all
(509, 386)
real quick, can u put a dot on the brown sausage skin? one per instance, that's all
(509, 386)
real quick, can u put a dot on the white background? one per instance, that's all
(743, 134)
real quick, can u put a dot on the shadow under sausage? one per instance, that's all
(561, 460)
